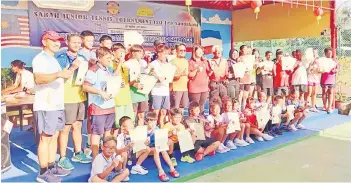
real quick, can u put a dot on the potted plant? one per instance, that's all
(341, 102)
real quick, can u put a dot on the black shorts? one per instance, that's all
(244, 87)
(268, 91)
(300, 88)
(328, 86)
(283, 91)
(203, 143)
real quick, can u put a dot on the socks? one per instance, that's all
(51, 165)
(89, 136)
(171, 155)
(43, 170)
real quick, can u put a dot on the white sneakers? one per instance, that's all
(300, 126)
(230, 145)
(249, 140)
(313, 109)
(267, 137)
(240, 143)
(137, 169)
(292, 128)
(259, 138)
(222, 149)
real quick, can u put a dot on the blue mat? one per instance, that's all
(25, 162)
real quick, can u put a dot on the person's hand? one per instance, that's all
(76, 63)
(65, 73)
(230, 75)
(131, 144)
(123, 84)
(184, 73)
(116, 162)
(105, 95)
(147, 142)
(207, 127)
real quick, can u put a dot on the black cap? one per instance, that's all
(158, 42)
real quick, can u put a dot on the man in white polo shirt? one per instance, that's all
(48, 105)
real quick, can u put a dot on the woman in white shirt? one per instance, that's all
(24, 79)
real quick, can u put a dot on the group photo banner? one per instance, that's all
(171, 24)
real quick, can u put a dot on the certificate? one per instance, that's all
(113, 85)
(139, 135)
(239, 69)
(132, 37)
(82, 71)
(326, 64)
(161, 140)
(263, 117)
(249, 61)
(199, 130)
(166, 71)
(148, 82)
(134, 74)
(288, 63)
(276, 114)
(234, 122)
(267, 67)
(185, 141)
(290, 109)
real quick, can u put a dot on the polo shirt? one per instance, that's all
(182, 83)
(123, 96)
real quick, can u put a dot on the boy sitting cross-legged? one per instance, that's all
(125, 145)
(151, 120)
(174, 127)
(202, 147)
(107, 166)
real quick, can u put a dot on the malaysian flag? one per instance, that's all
(14, 30)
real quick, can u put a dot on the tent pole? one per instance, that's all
(232, 44)
(333, 38)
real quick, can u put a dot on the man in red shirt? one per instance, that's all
(281, 77)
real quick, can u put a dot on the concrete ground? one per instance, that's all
(322, 158)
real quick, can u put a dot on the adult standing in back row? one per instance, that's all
(180, 83)
(218, 74)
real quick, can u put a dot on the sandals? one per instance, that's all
(174, 174)
(163, 177)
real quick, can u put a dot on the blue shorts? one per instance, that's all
(102, 123)
(161, 102)
(49, 122)
(113, 174)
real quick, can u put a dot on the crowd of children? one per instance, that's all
(110, 119)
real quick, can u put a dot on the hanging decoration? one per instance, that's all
(234, 2)
(297, 3)
(273, 2)
(291, 3)
(256, 5)
(306, 4)
(318, 12)
(188, 3)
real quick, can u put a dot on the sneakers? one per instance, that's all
(249, 140)
(271, 133)
(267, 137)
(221, 149)
(300, 126)
(65, 163)
(259, 138)
(314, 109)
(81, 158)
(126, 179)
(278, 132)
(230, 145)
(285, 128)
(48, 177)
(292, 128)
(224, 147)
(174, 162)
(137, 169)
(187, 159)
(58, 171)
(240, 143)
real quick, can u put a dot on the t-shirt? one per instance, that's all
(135, 66)
(151, 135)
(329, 78)
(281, 79)
(73, 93)
(100, 164)
(198, 83)
(50, 96)
(123, 96)
(211, 120)
(182, 83)
(171, 136)
(160, 89)
(122, 140)
(299, 77)
(87, 54)
(220, 69)
(225, 117)
(313, 74)
(26, 78)
(96, 77)
(267, 79)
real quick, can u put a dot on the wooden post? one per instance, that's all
(333, 37)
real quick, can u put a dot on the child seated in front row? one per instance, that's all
(228, 108)
(125, 145)
(252, 119)
(279, 105)
(173, 128)
(202, 147)
(215, 128)
(107, 166)
(299, 114)
(151, 120)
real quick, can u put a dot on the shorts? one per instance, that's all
(312, 83)
(49, 122)
(233, 89)
(75, 112)
(160, 102)
(199, 97)
(268, 91)
(113, 174)
(124, 110)
(102, 123)
(244, 87)
(180, 99)
(203, 143)
(328, 86)
(284, 91)
(300, 88)
(140, 106)
(218, 89)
